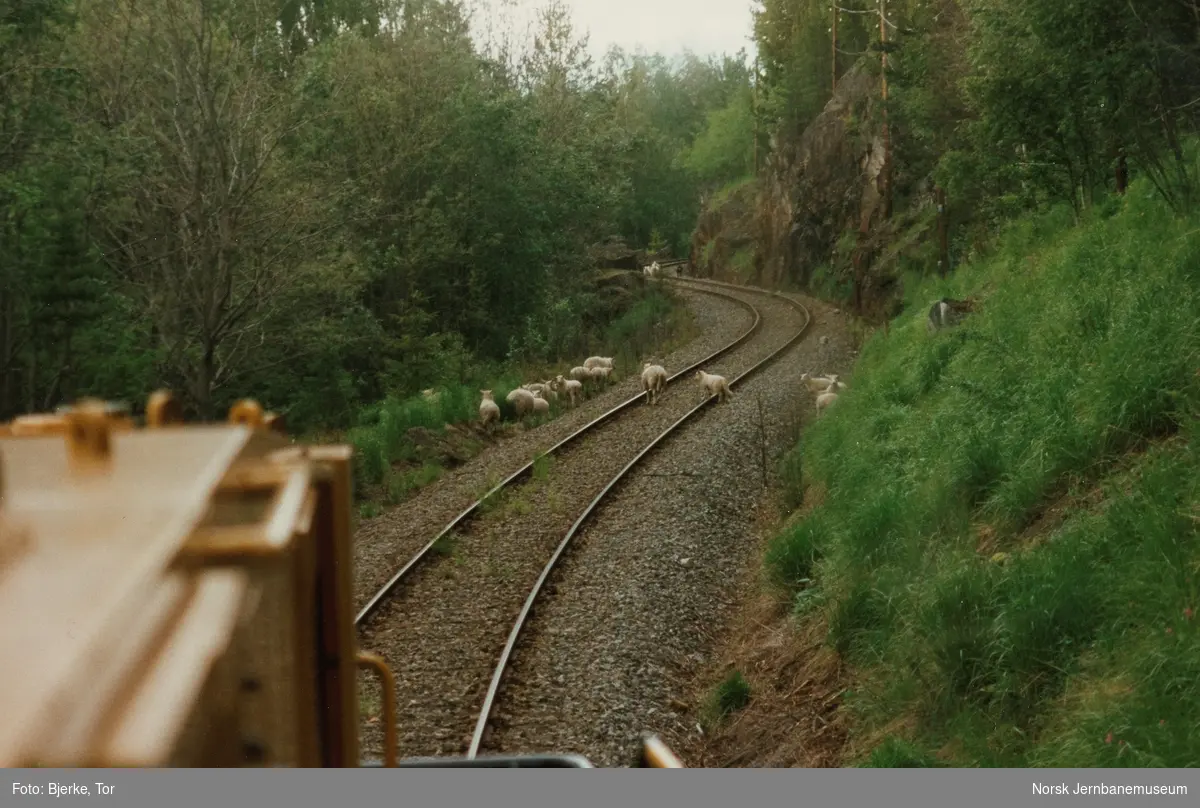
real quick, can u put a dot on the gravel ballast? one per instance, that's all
(384, 543)
(645, 587)
(443, 631)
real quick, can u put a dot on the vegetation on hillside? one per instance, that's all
(1006, 548)
(325, 207)
(1007, 105)
(997, 525)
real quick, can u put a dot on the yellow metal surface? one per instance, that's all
(159, 591)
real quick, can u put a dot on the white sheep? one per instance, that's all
(580, 373)
(569, 386)
(824, 400)
(431, 395)
(819, 384)
(534, 387)
(654, 378)
(601, 374)
(540, 405)
(715, 385)
(522, 400)
(598, 362)
(489, 411)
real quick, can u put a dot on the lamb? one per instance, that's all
(580, 372)
(654, 378)
(598, 362)
(523, 400)
(431, 395)
(601, 373)
(947, 312)
(824, 400)
(489, 411)
(570, 387)
(817, 384)
(535, 387)
(715, 385)
(540, 405)
(820, 384)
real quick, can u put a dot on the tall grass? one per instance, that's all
(1005, 637)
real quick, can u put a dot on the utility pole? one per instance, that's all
(939, 195)
(835, 43)
(887, 136)
(754, 112)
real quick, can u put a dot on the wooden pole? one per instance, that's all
(943, 238)
(754, 112)
(887, 136)
(835, 44)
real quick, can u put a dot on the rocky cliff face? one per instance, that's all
(818, 204)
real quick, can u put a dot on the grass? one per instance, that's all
(729, 696)
(1056, 428)
(391, 463)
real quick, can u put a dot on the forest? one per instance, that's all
(325, 204)
(1013, 102)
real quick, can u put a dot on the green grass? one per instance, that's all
(1077, 386)
(730, 695)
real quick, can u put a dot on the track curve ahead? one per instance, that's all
(518, 626)
(438, 642)
(424, 553)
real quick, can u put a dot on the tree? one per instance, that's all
(206, 237)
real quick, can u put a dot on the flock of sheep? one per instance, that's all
(535, 397)
(826, 388)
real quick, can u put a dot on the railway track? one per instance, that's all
(450, 599)
(425, 553)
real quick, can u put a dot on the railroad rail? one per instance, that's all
(522, 618)
(409, 567)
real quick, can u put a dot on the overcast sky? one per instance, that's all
(663, 26)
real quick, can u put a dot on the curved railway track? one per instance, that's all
(425, 553)
(439, 649)
(523, 618)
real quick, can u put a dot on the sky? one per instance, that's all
(663, 26)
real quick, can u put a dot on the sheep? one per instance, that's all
(540, 405)
(654, 377)
(824, 400)
(522, 399)
(715, 385)
(817, 384)
(569, 386)
(534, 387)
(598, 362)
(820, 384)
(489, 411)
(600, 373)
(580, 372)
(947, 312)
(432, 396)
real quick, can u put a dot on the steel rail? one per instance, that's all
(388, 588)
(515, 633)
